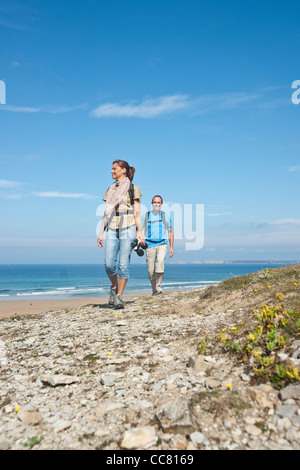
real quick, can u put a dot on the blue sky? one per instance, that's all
(196, 95)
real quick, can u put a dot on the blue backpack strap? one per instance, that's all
(147, 224)
(160, 227)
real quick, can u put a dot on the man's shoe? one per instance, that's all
(113, 293)
(159, 289)
(118, 303)
(154, 292)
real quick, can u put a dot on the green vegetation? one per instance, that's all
(275, 331)
(33, 441)
(91, 358)
(265, 342)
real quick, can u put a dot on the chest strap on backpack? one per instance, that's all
(147, 221)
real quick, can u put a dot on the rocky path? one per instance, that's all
(95, 378)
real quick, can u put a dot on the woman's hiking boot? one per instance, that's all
(113, 293)
(118, 303)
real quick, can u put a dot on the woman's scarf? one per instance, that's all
(116, 192)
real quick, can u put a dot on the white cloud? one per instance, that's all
(286, 221)
(153, 62)
(218, 214)
(148, 108)
(61, 109)
(153, 107)
(224, 101)
(32, 156)
(43, 109)
(294, 168)
(14, 196)
(64, 195)
(8, 184)
(46, 242)
(19, 109)
(284, 239)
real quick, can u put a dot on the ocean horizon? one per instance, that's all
(68, 281)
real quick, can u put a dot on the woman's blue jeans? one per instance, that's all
(118, 245)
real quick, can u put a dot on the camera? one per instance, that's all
(138, 247)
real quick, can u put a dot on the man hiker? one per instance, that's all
(158, 230)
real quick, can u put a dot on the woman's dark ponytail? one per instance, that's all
(130, 172)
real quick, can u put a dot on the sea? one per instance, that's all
(69, 281)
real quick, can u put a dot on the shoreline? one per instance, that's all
(9, 308)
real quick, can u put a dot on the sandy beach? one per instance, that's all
(33, 307)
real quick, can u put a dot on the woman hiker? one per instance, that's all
(122, 224)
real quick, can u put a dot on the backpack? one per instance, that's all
(131, 193)
(162, 219)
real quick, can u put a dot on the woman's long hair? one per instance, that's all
(130, 170)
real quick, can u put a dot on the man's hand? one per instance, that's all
(171, 252)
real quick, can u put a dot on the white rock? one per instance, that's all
(29, 417)
(55, 380)
(108, 379)
(197, 438)
(139, 438)
(61, 425)
(210, 359)
(109, 406)
(4, 444)
(29, 341)
(253, 430)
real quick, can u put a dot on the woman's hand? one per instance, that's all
(100, 241)
(141, 237)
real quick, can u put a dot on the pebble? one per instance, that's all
(286, 411)
(253, 430)
(88, 379)
(197, 438)
(291, 391)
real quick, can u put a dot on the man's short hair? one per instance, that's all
(157, 195)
